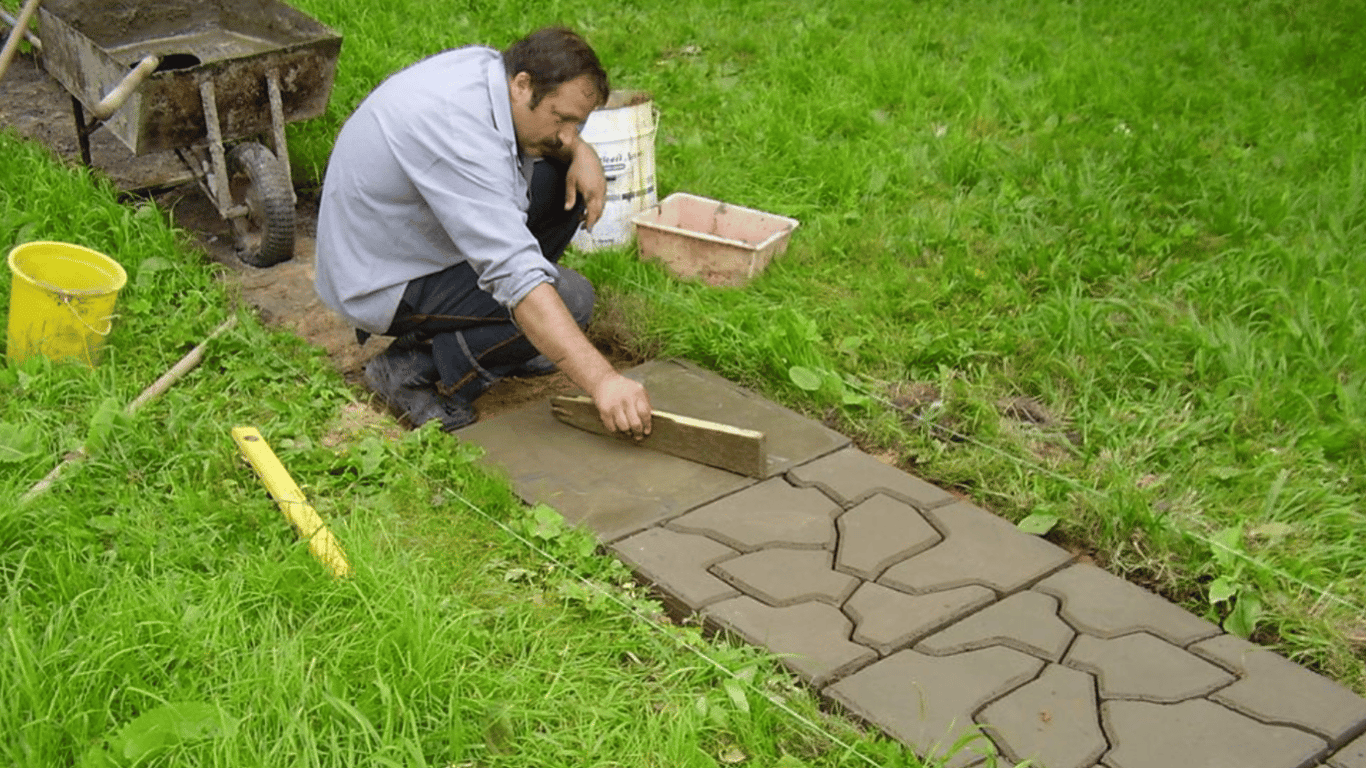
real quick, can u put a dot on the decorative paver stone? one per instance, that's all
(677, 564)
(978, 548)
(879, 532)
(1351, 756)
(788, 576)
(1140, 666)
(928, 701)
(770, 514)
(851, 475)
(886, 620)
(1107, 606)
(815, 634)
(1200, 733)
(1052, 721)
(1026, 621)
(1274, 689)
(834, 545)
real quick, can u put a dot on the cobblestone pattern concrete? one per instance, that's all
(946, 626)
(953, 631)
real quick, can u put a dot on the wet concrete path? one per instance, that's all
(917, 611)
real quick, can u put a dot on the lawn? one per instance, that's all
(1095, 265)
(158, 610)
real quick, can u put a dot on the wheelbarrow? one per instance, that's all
(214, 80)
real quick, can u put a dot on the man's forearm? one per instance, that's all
(546, 321)
(623, 404)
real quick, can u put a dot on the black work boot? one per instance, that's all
(405, 379)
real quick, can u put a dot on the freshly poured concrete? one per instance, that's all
(919, 612)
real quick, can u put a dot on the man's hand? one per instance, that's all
(585, 177)
(623, 406)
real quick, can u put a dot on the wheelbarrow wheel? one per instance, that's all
(266, 237)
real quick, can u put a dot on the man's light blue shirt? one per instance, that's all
(424, 175)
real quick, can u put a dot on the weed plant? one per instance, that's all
(1140, 220)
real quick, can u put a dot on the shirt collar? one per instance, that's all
(502, 105)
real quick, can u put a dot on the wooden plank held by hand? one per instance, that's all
(705, 442)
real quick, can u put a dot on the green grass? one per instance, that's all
(156, 608)
(1143, 217)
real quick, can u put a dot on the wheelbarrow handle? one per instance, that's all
(111, 103)
(28, 33)
(20, 28)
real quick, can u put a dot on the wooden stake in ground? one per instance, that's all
(156, 389)
(705, 442)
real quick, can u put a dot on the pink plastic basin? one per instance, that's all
(719, 243)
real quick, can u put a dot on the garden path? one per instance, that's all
(915, 610)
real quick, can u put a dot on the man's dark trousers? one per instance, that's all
(474, 340)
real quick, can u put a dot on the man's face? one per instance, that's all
(553, 125)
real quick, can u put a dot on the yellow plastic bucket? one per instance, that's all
(61, 302)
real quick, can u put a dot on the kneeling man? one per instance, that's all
(449, 197)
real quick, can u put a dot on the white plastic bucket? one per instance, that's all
(623, 133)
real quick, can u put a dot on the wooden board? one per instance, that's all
(706, 442)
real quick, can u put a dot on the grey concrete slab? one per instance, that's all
(928, 702)
(978, 548)
(1200, 733)
(676, 563)
(879, 532)
(887, 620)
(814, 637)
(1351, 756)
(616, 488)
(779, 576)
(851, 475)
(682, 387)
(1104, 605)
(611, 487)
(1052, 721)
(770, 514)
(1027, 621)
(1274, 689)
(1140, 666)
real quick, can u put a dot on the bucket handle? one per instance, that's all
(109, 319)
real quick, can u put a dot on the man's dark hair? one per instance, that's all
(554, 56)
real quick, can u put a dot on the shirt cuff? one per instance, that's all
(516, 292)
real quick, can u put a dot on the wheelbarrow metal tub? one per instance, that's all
(190, 75)
(90, 45)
